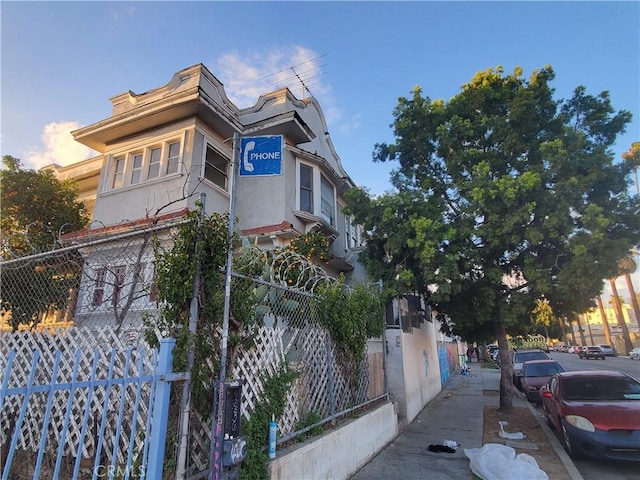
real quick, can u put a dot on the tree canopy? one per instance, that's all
(36, 208)
(503, 195)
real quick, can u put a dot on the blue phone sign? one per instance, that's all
(261, 156)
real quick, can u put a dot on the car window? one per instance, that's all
(521, 357)
(600, 389)
(542, 369)
(553, 384)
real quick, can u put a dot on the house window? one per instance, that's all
(136, 168)
(306, 188)
(98, 288)
(119, 273)
(155, 154)
(172, 157)
(118, 172)
(327, 201)
(352, 233)
(216, 168)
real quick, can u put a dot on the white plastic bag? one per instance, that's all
(499, 462)
(511, 436)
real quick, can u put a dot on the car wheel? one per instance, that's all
(547, 418)
(567, 443)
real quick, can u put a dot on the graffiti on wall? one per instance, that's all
(425, 355)
(448, 360)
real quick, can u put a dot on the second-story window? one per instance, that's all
(172, 157)
(118, 172)
(327, 201)
(352, 233)
(155, 155)
(136, 168)
(306, 188)
(140, 165)
(216, 168)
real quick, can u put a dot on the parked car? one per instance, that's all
(577, 349)
(521, 356)
(571, 349)
(563, 348)
(595, 413)
(635, 353)
(492, 349)
(535, 374)
(591, 352)
(608, 350)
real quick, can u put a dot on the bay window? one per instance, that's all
(132, 168)
(306, 188)
(311, 179)
(327, 201)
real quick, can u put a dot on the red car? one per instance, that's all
(535, 374)
(595, 413)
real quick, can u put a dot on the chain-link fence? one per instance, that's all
(108, 283)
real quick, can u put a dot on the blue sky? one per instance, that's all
(62, 61)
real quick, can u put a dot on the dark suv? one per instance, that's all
(591, 352)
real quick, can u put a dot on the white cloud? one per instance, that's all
(247, 76)
(59, 147)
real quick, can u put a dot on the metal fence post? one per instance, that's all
(160, 410)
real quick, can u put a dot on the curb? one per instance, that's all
(573, 472)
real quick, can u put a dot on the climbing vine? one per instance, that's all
(256, 428)
(351, 314)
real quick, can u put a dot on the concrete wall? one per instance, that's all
(413, 368)
(340, 453)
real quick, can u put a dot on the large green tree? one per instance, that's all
(36, 210)
(502, 195)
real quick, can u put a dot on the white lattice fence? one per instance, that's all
(84, 355)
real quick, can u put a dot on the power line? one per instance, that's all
(302, 78)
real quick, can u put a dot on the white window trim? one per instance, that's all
(317, 192)
(210, 142)
(145, 150)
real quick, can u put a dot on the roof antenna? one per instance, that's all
(304, 86)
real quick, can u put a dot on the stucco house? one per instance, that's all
(160, 150)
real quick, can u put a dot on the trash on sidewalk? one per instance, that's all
(441, 448)
(451, 444)
(510, 436)
(499, 462)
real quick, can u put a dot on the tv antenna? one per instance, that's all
(300, 77)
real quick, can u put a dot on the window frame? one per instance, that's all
(331, 202)
(220, 155)
(307, 189)
(164, 166)
(97, 298)
(136, 170)
(117, 179)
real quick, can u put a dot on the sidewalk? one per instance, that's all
(456, 414)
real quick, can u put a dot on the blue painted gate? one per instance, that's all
(102, 413)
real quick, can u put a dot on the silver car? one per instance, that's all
(608, 350)
(635, 353)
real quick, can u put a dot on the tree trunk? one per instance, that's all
(581, 331)
(605, 322)
(634, 299)
(586, 319)
(506, 371)
(628, 346)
